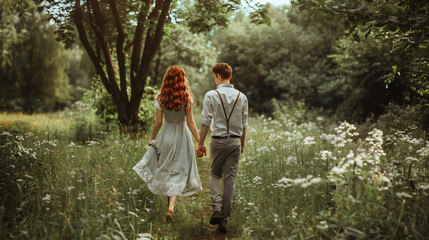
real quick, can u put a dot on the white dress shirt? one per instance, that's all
(214, 116)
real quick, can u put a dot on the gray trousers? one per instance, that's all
(224, 156)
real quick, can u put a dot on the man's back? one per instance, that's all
(236, 109)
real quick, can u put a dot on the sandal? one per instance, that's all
(169, 216)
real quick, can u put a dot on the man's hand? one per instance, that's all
(201, 151)
(150, 140)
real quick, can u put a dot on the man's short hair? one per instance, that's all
(223, 69)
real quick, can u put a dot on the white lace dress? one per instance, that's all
(169, 167)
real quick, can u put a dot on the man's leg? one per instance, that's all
(216, 162)
(229, 170)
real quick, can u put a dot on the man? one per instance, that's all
(225, 110)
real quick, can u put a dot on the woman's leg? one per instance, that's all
(171, 202)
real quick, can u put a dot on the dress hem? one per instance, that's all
(174, 189)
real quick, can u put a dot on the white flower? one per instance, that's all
(81, 196)
(90, 143)
(315, 180)
(285, 180)
(133, 213)
(324, 155)
(257, 180)
(338, 170)
(144, 236)
(403, 195)
(309, 141)
(47, 198)
(252, 130)
(263, 149)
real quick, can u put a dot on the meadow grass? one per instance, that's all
(64, 176)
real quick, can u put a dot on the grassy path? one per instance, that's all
(203, 199)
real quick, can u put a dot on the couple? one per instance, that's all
(169, 166)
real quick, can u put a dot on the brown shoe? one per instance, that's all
(216, 218)
(222, 227)
(169, 216)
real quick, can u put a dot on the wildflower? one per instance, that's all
(324, 155)
(309, 141)
(252, 130)
(91, 143)
(338, 170)
(273, 137)
(47, 198)
(133, 214)
(263, 149)
(81, 196)
(424, 151)
(403, 195)
(291, 159)
(315, 180)
(257, 180)
(28, 176)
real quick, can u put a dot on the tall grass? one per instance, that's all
(63, 176)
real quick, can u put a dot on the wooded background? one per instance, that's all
(354, 60)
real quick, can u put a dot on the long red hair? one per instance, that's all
(175, 91)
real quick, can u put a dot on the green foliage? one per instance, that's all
(410, 118)
(297, 179)
(35, 78)
(361, 73)
(99, 99)
(287, 60)
(401, 23)
(191, 51)
(303, 181)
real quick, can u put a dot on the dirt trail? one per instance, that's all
(204, 197)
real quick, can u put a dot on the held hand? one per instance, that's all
(198, 153)
(150, 140)
(201, 151)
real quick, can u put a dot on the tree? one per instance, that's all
(121, 39)
(33, 73)
(286, 61)
(404, 24)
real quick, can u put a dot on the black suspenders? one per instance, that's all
(224, 111)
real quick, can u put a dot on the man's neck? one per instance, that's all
(224, 82)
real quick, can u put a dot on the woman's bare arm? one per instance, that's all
(157, 125)
(191, 124)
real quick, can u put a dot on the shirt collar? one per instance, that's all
(225, 85)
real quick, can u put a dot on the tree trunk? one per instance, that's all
(127, 109)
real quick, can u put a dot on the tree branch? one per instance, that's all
(77, 17)
(100, 32)
(120, 48)
(152, 43)
(138, 41)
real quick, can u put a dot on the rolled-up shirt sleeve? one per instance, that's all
(245, 112)
(207, 113)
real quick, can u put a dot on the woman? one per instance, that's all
(169, 166)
